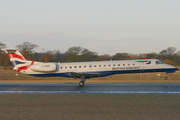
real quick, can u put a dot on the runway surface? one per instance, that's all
(72, 88)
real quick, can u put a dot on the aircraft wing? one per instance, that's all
(86, 75)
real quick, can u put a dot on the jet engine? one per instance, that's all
(44, 67)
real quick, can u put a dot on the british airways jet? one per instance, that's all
(86, 70)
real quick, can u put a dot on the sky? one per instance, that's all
(103, 26)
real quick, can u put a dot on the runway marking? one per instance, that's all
(89, 92)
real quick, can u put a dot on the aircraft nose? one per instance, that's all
(172, 67)
(176, 68)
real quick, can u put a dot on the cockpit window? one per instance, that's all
(159, 62)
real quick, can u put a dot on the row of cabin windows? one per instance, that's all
(95, 66)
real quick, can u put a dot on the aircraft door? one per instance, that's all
(141, 67)
(90, 66)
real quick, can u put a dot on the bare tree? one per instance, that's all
(87, 55)
(178, 53)
(163, 52)
(168, 51)
(59, 57)
(77, 54)
(76, 50)
(2, 45)
(151, 55)
(105, 57)
(121, 56)
(72, 54)
(171, 50)
(27, 47)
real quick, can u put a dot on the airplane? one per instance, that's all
(86, 70)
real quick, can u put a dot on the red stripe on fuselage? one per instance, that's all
(143, 61)
(13, 55)
(25, 67)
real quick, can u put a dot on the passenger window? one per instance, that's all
(128, 64)
(79, 66)
(99, 65)
(70, 67)
(74, 66)
(61, 67)
(123, 64)
(133, 64)
(109, 65)
(84, 66)
(94, 65)
(104, 65)
(114, 65)
(65, 67)
(118, 64)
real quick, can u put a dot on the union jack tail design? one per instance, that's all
(17, 59)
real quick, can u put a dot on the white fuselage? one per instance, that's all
(101, 68)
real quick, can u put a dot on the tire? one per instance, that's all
(81, 83)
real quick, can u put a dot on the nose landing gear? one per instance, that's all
(166, 77)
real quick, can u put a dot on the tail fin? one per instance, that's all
(15, 56)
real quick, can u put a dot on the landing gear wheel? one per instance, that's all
(81, 83)
(166, 78)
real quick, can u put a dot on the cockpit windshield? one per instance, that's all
(159, 62)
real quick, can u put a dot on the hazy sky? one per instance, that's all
(104, 26)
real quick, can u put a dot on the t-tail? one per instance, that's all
(18, 61)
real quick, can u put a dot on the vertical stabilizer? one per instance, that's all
(15, 56)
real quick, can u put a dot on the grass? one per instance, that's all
(80, 107)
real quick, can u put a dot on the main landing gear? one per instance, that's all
(81, 83)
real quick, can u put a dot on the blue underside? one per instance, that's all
(107, 73)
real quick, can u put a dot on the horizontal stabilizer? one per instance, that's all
(9, 50)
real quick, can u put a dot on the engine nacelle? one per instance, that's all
(44, 67)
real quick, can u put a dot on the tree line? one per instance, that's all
(80, 54)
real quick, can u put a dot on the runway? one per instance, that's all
(72, 88)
